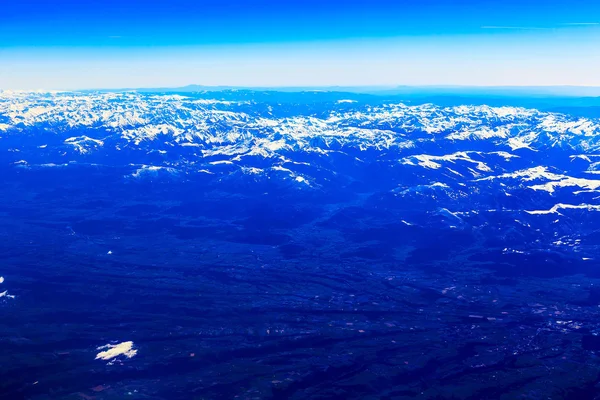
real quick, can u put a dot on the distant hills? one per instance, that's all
(529, 91)
(581, 101)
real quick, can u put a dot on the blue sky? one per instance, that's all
(66, 44)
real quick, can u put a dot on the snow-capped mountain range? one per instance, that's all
(464, 164)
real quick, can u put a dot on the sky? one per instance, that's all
(66, 44)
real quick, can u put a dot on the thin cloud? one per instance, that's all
(581, 23)
(539, 28)
(522, 28)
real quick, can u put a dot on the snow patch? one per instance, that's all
(517, 143)
(560, 206)
(145, 170)
(528, 174)
(512, 251)
(84, 144)
(568, 182)
(433, 162)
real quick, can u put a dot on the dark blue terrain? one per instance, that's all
(316, 245)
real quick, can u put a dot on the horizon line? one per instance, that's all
(389, 90)
(387, 86)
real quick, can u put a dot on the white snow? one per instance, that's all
(517, 143)
(507, 156)
(84, 144)
(560, 206)
(483, 132)
(582, 157)
(448, 213)
(529, 174)
(513, 251)
(433, 162)
(252, 170)
(185, 121)
(151, 170)
(250, 139)
(567, 182)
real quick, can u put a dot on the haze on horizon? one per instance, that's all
(68, 44)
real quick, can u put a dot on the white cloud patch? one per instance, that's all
(5, 293)
(112, 351)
